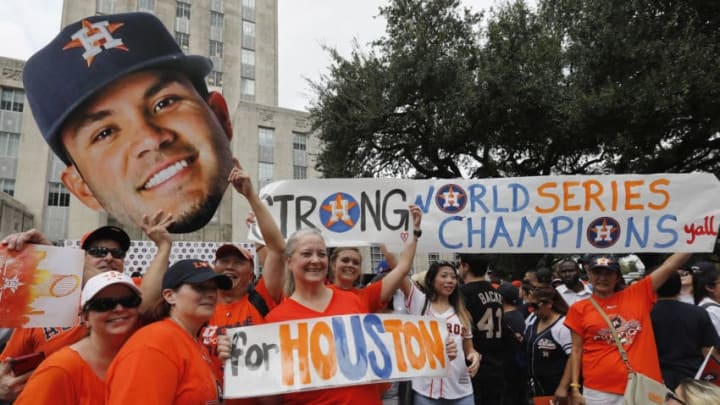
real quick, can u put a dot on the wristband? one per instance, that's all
(417, 233)
(575, 385)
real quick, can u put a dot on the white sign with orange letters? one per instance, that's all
(550, 214)
(335, 351)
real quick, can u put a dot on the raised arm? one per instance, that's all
(397, 278)
(274, 263)
(155, 228)
(672, 263)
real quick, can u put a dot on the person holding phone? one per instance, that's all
(75, 374)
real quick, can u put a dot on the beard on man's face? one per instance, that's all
(197, 216)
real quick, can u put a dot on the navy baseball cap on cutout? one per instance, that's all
(193, 271)
(92, 53)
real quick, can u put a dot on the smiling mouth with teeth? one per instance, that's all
(165, 174)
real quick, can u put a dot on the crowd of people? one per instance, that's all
(143, 111)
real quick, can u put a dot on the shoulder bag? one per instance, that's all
(640, 389)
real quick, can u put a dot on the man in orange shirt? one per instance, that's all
(246, 303)
(105, 250)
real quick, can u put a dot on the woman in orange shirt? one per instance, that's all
(164, 362)
(75, 373)
(309, 297)
(593, 348)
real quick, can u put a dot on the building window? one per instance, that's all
(433, 257)
(12, 99)
(183, 40)
(7, 186)
(105, 6)
(299, 141)
(247, 88)
(248, 57)
(58, 196)
(9, 143)
(216, 49)
(146, 5)
(182, 10)
(265, 143)
(248, 38)
(216, 19)
(248, 10)
(265, 174)
(299, 172)
(215, 78)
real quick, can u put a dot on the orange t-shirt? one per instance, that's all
(162, 364)
(239, 313)
(629, 310)
(342, 303)
(48, 340)
(369, 296)
(64, 378)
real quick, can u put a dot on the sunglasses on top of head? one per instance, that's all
(101, 251)
(108, 304)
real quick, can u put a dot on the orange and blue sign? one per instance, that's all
(333, 351)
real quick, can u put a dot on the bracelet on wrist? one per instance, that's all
(417, 233)
(575, 386)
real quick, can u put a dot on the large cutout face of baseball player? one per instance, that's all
(147, 142)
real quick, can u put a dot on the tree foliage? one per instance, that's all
(574, 86)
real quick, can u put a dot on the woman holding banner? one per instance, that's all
(444, 300)
(594, 351)
(309, 297)
(346, 270)
(75, 374)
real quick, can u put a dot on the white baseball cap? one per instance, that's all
(98, 282)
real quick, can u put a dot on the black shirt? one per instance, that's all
(681, 330)
(486, 308)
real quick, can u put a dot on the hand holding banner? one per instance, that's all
(40, 286)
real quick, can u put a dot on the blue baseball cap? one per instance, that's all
(193, 271)
(92, 53)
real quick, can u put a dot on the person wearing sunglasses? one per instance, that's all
(686, 285)
(75, 374)
(164, 362)
(105, 248)
(548, 343)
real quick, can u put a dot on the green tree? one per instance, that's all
(579, 86)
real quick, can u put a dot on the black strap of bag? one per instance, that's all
(258, 301)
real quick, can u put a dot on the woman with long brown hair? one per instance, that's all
(442, 299)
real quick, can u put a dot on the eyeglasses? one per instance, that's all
(683, 272)
(101, 251)
(108, 304)
(671, 396)
(536, 305)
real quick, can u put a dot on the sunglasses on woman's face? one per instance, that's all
(536, 305)
(108, 304)
(684, 273)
